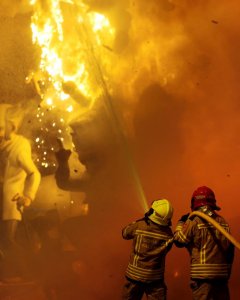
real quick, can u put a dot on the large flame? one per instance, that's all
(73, 41)
(70, 37)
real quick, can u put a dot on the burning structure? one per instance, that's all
(144, 94)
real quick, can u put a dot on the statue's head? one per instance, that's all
(10, 120)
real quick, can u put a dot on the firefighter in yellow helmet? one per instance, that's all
(210, 251)
(152, 239)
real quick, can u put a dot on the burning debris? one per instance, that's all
(61, 60)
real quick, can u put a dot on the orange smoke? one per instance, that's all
(172, 71)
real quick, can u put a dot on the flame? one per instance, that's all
(69, 35)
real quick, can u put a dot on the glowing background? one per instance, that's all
(172, 70)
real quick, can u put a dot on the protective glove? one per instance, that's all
(184, 218)
(148, 213)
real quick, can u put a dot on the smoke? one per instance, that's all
(174, 86)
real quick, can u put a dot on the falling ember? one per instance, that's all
(176, 274)
(49, 101)
(70, 108)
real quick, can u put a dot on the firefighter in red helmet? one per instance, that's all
(211, 253)
(203, 196)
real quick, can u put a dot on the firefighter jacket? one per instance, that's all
(211, 253)
(151, 242)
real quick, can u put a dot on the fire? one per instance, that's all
(71, 76)
(70, 38)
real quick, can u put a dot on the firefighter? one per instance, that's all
(210, 252)
(152, 239)
(21, 180)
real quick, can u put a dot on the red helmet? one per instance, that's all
(203, 196)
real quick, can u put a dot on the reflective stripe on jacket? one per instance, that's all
(211, 253)
(151, 242)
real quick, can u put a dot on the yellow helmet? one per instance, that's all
(162, 212)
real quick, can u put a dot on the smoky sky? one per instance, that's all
(174, 85)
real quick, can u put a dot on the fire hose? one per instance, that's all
(217, 226)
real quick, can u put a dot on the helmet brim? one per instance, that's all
(158, 220)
